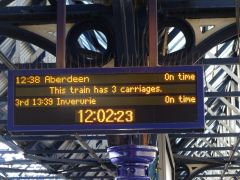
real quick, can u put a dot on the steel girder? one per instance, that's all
(222, 116)
(86, 14)
(204, 61)
(198, 8)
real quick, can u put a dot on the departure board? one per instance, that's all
(106, 100)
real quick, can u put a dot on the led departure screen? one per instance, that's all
(106, 99)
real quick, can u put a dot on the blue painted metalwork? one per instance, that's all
(232, 117)
(24, 35)
(54, 151)
(205, 149)
(219, 61)
(234, 175)
(132, 161)
(222, 94)
(47, 14)
(30, 66)
(198, 8)
(55, 138)
(205, 61)
(197, 135)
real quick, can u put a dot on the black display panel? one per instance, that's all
(115, 100)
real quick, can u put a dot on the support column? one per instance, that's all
(61, 34)
(153, 33)
(124, 17)
(132, 161)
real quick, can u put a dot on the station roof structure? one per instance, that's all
(191, 32)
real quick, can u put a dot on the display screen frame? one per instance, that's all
(180, 126)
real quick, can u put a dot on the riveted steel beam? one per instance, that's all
(197, 135)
